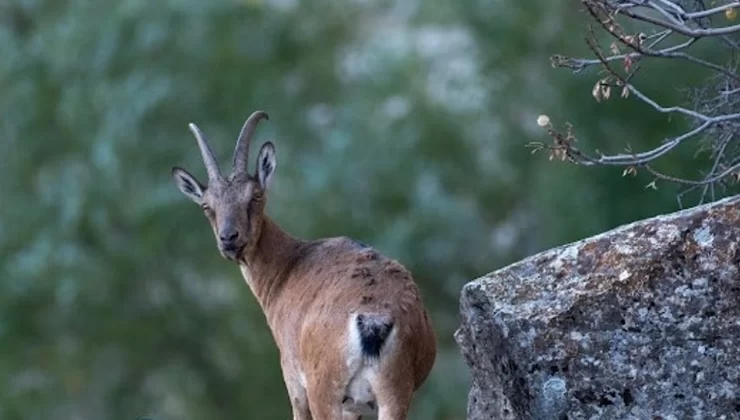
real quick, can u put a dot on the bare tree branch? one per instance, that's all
(714, 112)
(682, 29)
(640, 49)
(710, 12)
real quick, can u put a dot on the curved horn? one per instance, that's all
(241, 152)
(205, 150)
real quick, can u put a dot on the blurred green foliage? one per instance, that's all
(400, 123)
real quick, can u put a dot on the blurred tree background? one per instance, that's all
(401, 123)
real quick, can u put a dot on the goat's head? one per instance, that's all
(234, 205)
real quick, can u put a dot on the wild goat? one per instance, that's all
(352, 331)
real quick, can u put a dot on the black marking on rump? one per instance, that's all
(374, 331)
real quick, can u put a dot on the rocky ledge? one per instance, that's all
(641, 322)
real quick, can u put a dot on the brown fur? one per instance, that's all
(309, 291)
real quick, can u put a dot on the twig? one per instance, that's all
(683, 30)
(710, 12)
(710, 180)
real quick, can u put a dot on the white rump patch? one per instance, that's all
(360, 398)
(354, 346)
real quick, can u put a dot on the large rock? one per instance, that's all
(641, 322)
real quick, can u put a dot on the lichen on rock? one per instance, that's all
(641, 322)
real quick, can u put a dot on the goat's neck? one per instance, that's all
(265, 265)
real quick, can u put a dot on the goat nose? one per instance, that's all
(228, 235)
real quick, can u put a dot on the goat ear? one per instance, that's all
(188, 184)
(266, 164)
